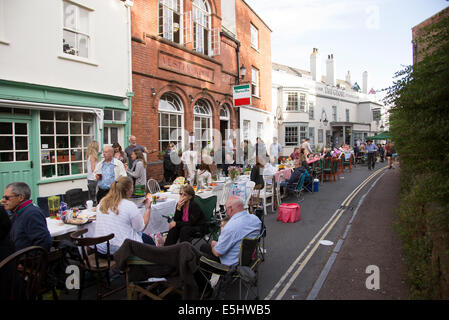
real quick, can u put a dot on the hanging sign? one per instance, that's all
(242, 95)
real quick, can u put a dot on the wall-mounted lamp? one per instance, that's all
(153, 91)
(128, 3)
(382, 126)
(191, 98)
(242, 72)
(325, 118)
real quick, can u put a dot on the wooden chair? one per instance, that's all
(249, 191)
(94, 262)
(254, 198)
(348, 163)
(327, 168)
(22, 274)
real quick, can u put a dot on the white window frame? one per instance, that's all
(320, 136)
(86, 138)
(13, 135)
(348, 116)
(260, 129)
(254, 36)
(311, 111)
(302, 132)
(311, 133)
(255, 80)
(292, 101)
(302, 102)
(202, 110)
(71, 51)
(171, 105)
(169, 11)
(201, 17)
(246, 129)
(334, 113)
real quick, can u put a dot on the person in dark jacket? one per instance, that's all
(29, 227)
(170, 169)
(300, 168)
(257, 172)
(189, 218)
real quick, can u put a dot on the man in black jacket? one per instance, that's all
(29, 227)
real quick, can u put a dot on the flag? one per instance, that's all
(372, 91)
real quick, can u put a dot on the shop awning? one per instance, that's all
(381, 136)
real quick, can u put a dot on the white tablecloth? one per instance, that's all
(58, 228)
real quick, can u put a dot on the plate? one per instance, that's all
(77, 221)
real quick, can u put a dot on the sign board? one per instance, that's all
(242, 95)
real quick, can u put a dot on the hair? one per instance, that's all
(296, 148)
(204, 167)
(117, 145)
(139, 156)
(92, 150)
(20, 188)
(302, 150)
(188, 189)
(170, 146)
(116, 194)
(260, 162)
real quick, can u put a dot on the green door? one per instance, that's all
(15, 153)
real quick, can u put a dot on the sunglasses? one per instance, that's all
(9, 197)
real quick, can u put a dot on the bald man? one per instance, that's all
(107, 171)
(240, 225)
(134, 146)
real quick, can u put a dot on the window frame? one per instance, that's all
(167, 15)
(176, 103)
(202, 104)
(302, 132)
(77, 31)
(198, 26)
(255, 82)
(254, 37)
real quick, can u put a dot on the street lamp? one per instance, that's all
(325, 118)
(242, 72)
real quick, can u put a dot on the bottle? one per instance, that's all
(158, 239)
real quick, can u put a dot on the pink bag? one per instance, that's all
(289, 212)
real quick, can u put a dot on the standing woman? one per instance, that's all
(388, 153)
(138, 171)
(119, 154)
(92, 161)
(188, 220)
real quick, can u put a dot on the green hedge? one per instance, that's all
(419, 126)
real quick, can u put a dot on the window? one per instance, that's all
(347, 115)
(320, 136)
(302, 102)
(170, 12)
(254, 37)
(114, 115)
(76, 38)
(294, 134)
(312, 136)
(246, 128)
(334, 113)
(110, 135)
(260, 129)
(292, 101)
(202, 123)
(64, 137)
(201, 26)
(311, 111)
(13, 141)
(255, 82)
(171, 119)
(376, 116)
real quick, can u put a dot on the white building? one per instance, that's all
(65, 80)
(327, 110)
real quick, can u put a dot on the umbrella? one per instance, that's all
(381, 136)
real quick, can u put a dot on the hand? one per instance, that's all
(98, 176)
(171, 225)
(147, 202)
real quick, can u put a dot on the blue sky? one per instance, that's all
(363, 35)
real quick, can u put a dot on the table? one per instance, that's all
(286, 174)
(58, 228)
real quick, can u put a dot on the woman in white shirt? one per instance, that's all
(92, 160)
(203, 174)
(120, 216)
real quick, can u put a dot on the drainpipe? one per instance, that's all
(130, 92)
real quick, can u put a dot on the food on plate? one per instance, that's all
(93, 218)
(76, 220)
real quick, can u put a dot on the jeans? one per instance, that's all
(371, 160)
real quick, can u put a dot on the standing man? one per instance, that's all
(107, 171)
(28, 227)
(133, 146)
(307, 148)
(275, 151)
(371, 149)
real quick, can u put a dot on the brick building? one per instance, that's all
(186, 57)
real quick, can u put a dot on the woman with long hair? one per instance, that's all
(189, 219)
(138, 171)
(388, 153)
(119, 154)
(91, 163)
(118, 215)
(257, 172)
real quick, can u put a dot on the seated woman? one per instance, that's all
(300, 168)
(138, 171)
(120, 216)
(189, 219)
(203, 174)
(257, 172)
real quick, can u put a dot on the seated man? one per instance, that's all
(240, 225)
(29, 227)
(300, 168)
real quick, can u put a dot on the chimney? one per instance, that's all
(315, 65)
(365, 82)
(330, 70)
(348, 77)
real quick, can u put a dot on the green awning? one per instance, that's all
(381, 136)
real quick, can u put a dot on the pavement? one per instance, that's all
(370, 242)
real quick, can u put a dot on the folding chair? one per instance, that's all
(298, 188)
(213, 222)
(245, 272)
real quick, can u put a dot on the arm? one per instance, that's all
(92, 164)
(37, 231)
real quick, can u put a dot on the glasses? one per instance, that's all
(9, 197)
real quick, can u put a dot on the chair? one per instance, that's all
(213, 222)
(245, 271)
(254, 199)
(94, 262)
(153, 186)
(22, 274)
(278, 190)
(267, 193)
(222, 197)
(249, 191)
(348, 163)
(75, 198)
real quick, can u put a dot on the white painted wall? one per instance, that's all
(33, 54)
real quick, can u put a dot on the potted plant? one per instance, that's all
(161, 155)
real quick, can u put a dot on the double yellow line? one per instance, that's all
(326, 228)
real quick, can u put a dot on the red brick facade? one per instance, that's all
(162, 66)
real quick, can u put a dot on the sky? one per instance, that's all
(363, 35)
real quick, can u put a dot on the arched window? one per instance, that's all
(224, 112)
(201, 26)
(202, 122)
(171, 121)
